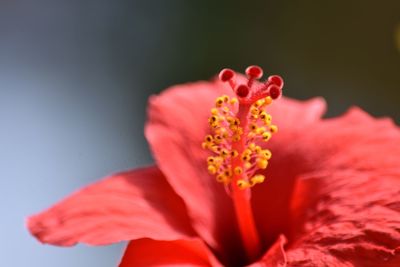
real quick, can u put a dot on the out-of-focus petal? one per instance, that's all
(129, 205)
(148, 252)
(177, 125)
(347, 211)
(293, 115)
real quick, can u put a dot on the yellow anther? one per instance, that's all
(262, 163)
(239, 131)
(253, 127)
(263, 115)
(228, 172)
(214, 111)
(257, 179)
(259, 103)
(234, 124)
(215, 125)
(251, 135)
(265, 154)
(254, 117)
(225, 110)
(215, 149)
(268, 119)
(252, 146)
(233, 101)
(222, 178)
(242, 184)
(246, 157)
(247, 151)
(213, 121)
(218, 139)
(211, 160)
(212, 169)
(257, 149)
(254, 111)
(236, 137)
(204, 145)
(238, 171)
(234, 153)
(209, 138)
(273, 129)
(233, 127)
(247, 165)
(219, 102)
(225, 98)
(218, 162)
(224, 153)
(260, 130)
(267, 100)
(214, 118)
(266, 136)
(221, 131)
(230, 120)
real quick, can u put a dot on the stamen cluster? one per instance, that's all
(236, 145)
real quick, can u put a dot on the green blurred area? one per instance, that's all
(344, 51)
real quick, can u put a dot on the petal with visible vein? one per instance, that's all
(346, 212)
(129, 205)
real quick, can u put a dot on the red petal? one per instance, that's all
(275, 256)
(148, 252)
(176, 128)
(293, 115)
(271, 199)
(355, 220)
(347, 212)
(128, 205)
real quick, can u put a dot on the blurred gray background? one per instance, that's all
(75, 76)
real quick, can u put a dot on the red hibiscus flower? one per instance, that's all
(331, 195)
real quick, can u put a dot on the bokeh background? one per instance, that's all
(75, 77)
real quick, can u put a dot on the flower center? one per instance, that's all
(239, 127)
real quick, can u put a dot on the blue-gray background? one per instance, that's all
(75, 76)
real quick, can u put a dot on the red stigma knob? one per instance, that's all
(276, 79)
(247, 93)
(254, 72)
(226, 75)
(274, 91)
(242, 90)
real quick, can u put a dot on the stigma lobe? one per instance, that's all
(242, 90)
(249, 93)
